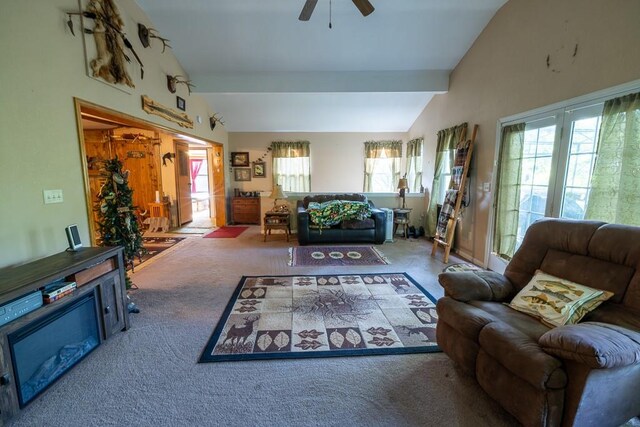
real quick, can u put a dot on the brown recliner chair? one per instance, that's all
(586, 374)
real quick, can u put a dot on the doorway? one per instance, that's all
(200, 191)
(150, 153)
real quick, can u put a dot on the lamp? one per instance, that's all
(403, 186)
(276, 194)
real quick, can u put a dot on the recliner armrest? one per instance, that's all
(597, 345)
(476, 286)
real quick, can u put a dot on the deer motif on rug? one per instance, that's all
(239, 334)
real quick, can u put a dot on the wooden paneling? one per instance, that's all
(139, 152)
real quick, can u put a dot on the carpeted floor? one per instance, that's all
(149, 375)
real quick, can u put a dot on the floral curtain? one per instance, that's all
(414, 164)
(447, 140)
(382, 166)
(292, 165)
(508, 190)
(615, 183)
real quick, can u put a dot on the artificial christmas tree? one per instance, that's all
(118, 223)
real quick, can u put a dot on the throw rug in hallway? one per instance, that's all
(287, 317)
(155, 246)
(335, 255)
(226, 233)
(462, 266)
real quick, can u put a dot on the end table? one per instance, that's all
(277, 221)
(401, 217)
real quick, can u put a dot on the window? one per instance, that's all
(552, 165)
(382, 166)
(292, 165)
(414, 164)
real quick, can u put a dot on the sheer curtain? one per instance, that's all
(382, 166)
(414, 164)
(292, 166)
(508, 190)
(615, 183)
(447, 140)
(196, 164)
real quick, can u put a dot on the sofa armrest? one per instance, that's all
(302, 216)
(597, 345)
(476, 286)
(379, 218)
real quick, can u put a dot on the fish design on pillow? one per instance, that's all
(542, 299)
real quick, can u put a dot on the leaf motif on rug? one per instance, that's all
(337, 339)
(264, 341)
(386, 341)
(378, 331)
(313, 334)
(426, 315)
(306, 345)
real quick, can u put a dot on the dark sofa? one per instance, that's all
(371, 230)
(586, 374)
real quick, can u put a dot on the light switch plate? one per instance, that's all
(52, 196)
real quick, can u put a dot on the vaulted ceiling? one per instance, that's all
(264, 70)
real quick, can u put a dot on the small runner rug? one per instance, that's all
(462, 266)
(155, 246)
(226, 233)
(335, 255)
(288, 317)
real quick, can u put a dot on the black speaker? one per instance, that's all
(73, 237)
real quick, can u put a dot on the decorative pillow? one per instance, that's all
(557, 301)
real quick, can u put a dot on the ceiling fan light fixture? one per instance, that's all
(364, 6)
(307, 10)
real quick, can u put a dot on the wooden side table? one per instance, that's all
(277, 221)
(401, 218)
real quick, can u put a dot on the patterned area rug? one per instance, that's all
(335, 255)
(462, 266)
(276, 317)
(155, 246)
(226, 232)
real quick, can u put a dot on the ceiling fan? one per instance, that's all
(364, 6)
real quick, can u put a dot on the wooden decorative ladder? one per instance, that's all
(456, 183)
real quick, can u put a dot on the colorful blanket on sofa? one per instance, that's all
(333, 212)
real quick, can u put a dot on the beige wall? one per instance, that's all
(337, 158)
(43, 69)
(337, 166)
(505, 72)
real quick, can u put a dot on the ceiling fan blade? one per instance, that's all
(307, 10)
(364, 6)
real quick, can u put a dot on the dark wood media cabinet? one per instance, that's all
(99, 274)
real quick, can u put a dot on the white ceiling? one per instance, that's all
(264, 70)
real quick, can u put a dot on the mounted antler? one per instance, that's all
(172, 81)
(146, 33)
(213, 120)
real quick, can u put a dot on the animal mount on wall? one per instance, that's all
(213, 120)
(168, 156)
(110, 39)
(146, 33)
(172, 81)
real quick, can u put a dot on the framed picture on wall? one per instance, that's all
(240, 159)
(259, 170)
(242, 174)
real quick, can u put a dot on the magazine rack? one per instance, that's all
(452, 206)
